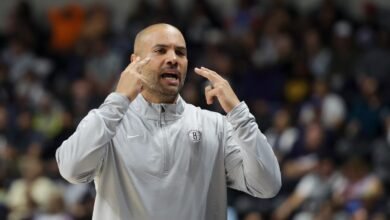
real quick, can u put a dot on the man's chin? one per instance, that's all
(164, 91)
(170, 91)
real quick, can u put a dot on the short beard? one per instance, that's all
(155, 89)
(161, 94)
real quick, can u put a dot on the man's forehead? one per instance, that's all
(160, 34)
(164, 37)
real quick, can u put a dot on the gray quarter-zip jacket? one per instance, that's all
(167, 161)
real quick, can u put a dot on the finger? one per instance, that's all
(138, 63)
(210, 94)
(132, 63)
(212, 73)
(144, 79)
(142, 62)
(136, 60)
(207, 74)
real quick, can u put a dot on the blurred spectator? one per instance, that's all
(310, 199)
(67, 128)
(18, 57)
(267, 52)
(246, 16)
(55, 210)
(81, 98)
(198, 24)
(333, 107)
(365, 109)
(303, 157)
(374, 61)
(30, 89)
(318, 57)
(325, 17)
(21, 24)
(343, 55)
(47, 118)
(25, 139)
(33, 192)
(325, 106)
(66, 26)
(282, 135)
(97, 23)
(103, 67)
(359, 194)
(82, 210)
(297, 86)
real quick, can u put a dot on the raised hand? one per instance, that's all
(219, 88)
(132, 78)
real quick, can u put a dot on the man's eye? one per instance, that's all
(160, 51)
(180, 53)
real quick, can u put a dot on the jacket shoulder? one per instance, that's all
(205, 115)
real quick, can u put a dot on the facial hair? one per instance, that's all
(154, 87)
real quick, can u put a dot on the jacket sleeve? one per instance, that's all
(250, 162)
(81, 156)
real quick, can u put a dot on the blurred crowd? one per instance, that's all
(317, 82)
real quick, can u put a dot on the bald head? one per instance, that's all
(164, 48)
(148, 34)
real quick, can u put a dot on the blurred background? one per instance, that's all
(316, 75)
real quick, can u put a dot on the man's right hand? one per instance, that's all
(132, 78)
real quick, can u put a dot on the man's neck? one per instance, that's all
(158, 99)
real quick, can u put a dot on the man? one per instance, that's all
(153, 156)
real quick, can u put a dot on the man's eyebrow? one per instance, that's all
(181, 48)
(164, 46)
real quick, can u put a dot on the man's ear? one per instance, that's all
(132, 57)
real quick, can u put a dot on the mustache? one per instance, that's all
(170, 69)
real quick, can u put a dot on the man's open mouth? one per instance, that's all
(170, 76)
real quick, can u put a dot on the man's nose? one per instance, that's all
(171, 57)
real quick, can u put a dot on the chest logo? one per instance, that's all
(195, 135)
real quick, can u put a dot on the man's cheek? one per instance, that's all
(149, 72)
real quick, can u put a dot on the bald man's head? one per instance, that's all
(165, 48)
(144, 36)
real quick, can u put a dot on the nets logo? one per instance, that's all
(195, 136)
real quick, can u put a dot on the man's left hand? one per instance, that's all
(219, 88)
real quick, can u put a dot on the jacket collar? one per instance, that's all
(153, 111)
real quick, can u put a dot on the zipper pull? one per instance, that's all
(161, 112)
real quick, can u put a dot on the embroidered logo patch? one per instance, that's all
(195, 135)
